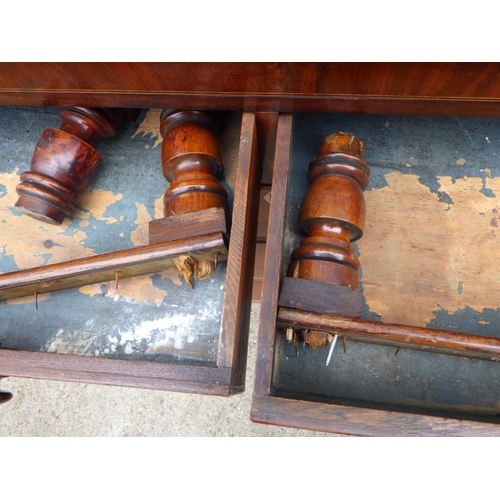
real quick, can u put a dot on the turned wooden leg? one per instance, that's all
(192, 163)
(323, 274)
(332, 214)
(64, 162)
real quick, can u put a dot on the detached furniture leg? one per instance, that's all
(195, 200)
(64, 162)
(323, 272)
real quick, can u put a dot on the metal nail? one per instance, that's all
(330, 352)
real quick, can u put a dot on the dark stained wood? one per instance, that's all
(187, 225)
(358, 421)
(148, 259)
(233, 344)
(119, 372)
(273, 262)
(320, 297)
(332, 214)
(191, 162)
(267, 123)
(410, 337)
(64, 161)
(468, 89)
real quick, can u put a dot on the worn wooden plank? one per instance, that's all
(273, 262)
(410, 337)
(188, 225)
(358, 421)
(240, 266)
(107, 267)
(320, 297)
(127, 373)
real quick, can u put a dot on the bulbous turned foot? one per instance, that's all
(191, 162)
(64, 161)
(62, 165)
(332, 213)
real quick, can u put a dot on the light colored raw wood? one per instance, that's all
(420, 255)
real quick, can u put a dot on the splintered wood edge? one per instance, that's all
(410, 337)
(188, 225)
(148, 259)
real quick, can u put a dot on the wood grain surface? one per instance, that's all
(412, 337)
(469, 89)
(108, 267)
(273, 262)
(233, 345)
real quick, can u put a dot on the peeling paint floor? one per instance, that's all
(63, 409)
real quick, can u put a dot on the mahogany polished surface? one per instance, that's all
(471, 89)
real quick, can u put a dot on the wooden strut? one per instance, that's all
(148, 259)
(399, 336)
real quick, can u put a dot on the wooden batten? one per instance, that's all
(188, 225)
(409, 337)
(108, 267)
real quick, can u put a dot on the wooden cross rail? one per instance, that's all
(148, 259)
(410, 337)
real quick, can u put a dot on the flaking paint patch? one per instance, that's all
(139, 289)
(97, 201)
(31, 243)
(151, 125)
(416, 249)
(140, 235)
(174, 331)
